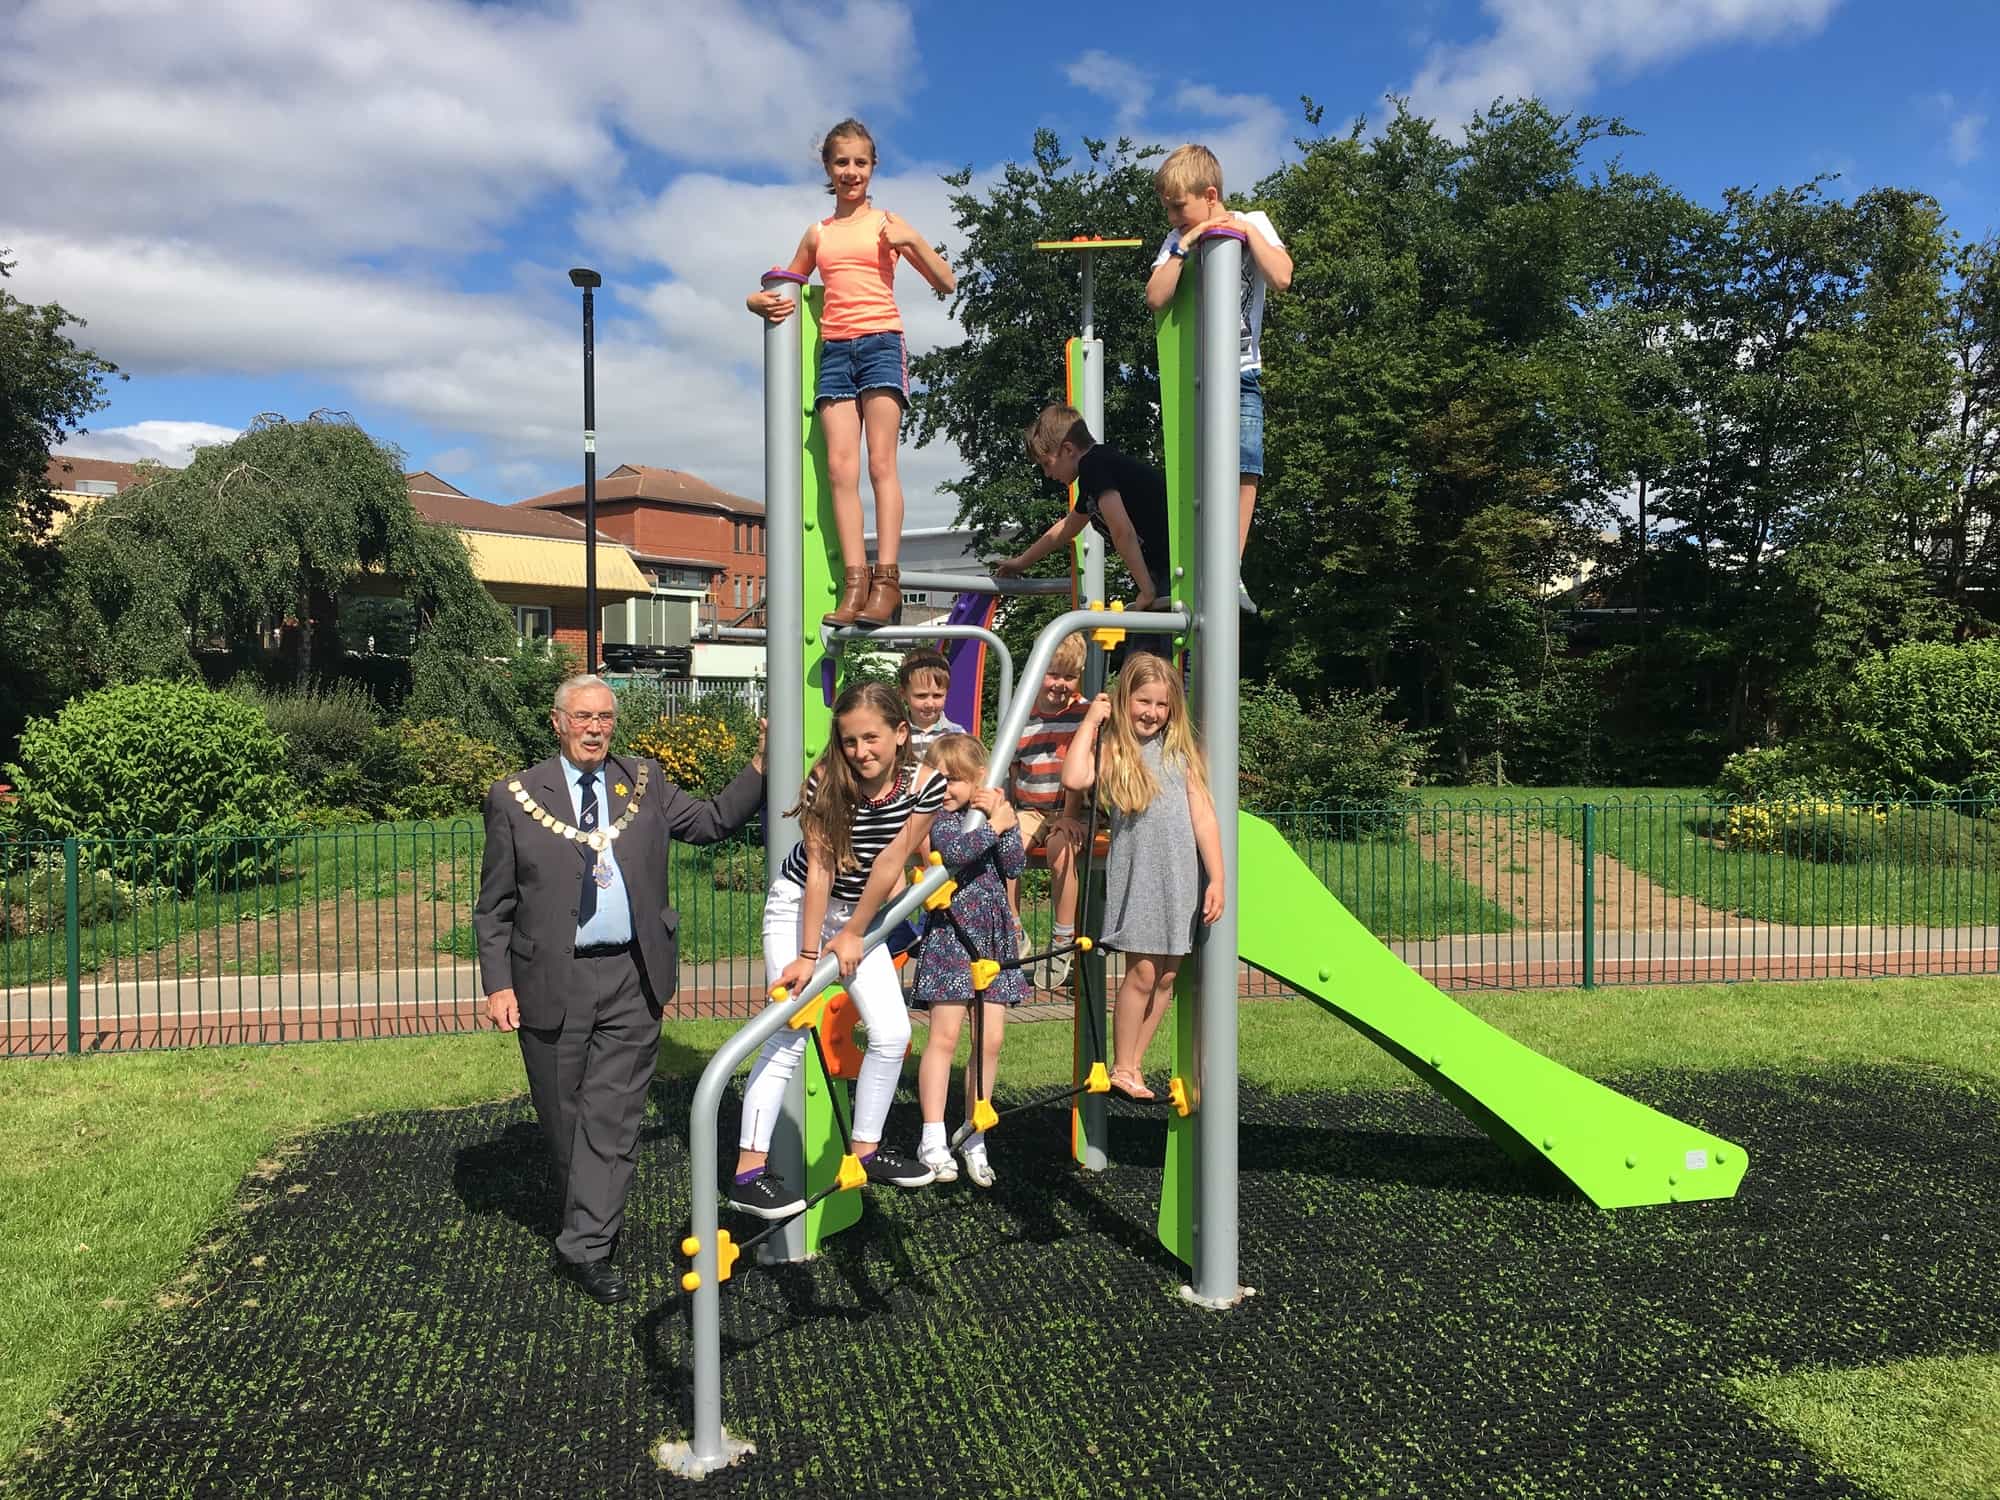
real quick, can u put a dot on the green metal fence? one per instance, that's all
(111, 944)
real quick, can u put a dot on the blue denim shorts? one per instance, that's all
(873, 362)
(1253, 425)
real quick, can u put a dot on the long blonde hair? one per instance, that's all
(831, 795)
(1124, 781)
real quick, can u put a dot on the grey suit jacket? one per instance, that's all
(529, 879)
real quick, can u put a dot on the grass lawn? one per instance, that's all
(1909, 1428)
(1672, 843)
(1666, 834)
(113, 1169)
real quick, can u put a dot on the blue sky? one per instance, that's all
(370, 205)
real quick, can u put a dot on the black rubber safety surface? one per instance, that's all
(377, 1318)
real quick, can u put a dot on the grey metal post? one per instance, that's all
(710, 1447)
(1216, 688)
(784, 670)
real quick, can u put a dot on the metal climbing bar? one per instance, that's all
(709, 1448)
(989, 638)
(982, 583)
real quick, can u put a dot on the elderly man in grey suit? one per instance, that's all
(577, 951)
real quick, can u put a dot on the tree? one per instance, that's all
(1426, 381)
(1019, 306)
(48, 386)
(267, 532)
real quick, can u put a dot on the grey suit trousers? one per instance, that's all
(588, 1078)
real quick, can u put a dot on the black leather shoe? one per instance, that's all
(603, 1281)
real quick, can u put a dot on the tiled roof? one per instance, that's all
(447, 506)
(641, 482)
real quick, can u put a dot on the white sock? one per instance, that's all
(975, 1143)
(934, 1137)
(1061, 934)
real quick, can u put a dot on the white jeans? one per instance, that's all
(877, 995)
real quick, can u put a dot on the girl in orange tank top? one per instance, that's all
(864, 381)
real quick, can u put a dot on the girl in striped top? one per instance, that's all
(864, 372)
(865, 811)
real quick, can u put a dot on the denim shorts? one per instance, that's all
(1253, 425)
(873, 362)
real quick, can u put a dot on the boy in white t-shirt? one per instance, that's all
(1189, 183)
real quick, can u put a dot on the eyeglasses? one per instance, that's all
(609, 715)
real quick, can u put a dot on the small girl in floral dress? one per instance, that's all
(986, 859)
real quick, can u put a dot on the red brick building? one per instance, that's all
(668, 517)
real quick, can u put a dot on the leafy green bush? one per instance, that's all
(34, 902)
(1796, 772)
(1342, 753)
(1830, 833)
(738, 868)
(170, 759)
(700, 752)
(326, 728)
(426, 770)
(1922, 718)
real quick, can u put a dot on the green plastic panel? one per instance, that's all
(1616, 1151)
(823, 1144)
(1177, 329)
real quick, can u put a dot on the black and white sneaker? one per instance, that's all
(890, 1166)
(765, 1196)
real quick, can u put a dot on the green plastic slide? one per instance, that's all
(1617, 1151)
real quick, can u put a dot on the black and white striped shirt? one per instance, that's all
(876, 825)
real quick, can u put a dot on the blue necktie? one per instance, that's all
(586, 899)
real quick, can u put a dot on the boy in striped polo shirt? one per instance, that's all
(1048, 815)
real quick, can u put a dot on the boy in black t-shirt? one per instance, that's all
(1124, 499)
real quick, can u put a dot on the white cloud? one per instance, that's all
(1125, 84)
(1966, 139)
(1247, 132)
(1560, 48)
(292, 189)
(452, 461)
(166, 442)
(373, 126)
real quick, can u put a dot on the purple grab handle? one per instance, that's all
(779, 273)
(1232, 232)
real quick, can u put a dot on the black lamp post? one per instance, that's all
(589, 280)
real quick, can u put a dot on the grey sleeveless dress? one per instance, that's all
(1153, 879)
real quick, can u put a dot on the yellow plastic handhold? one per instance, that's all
(936, 858)
(726, 1251)
(690, 1247)
(983, 1115)
(851, 1174)
(1097, 1081)
(984, 972)
(1178, 1095)
(691, 1282)
(940, 898)
(1109, 636)
(1084, 945)
(811, 1012)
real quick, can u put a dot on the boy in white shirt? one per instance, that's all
(1189, 183)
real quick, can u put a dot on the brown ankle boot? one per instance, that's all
(885, 597)
(853, 593)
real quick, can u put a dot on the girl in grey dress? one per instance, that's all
(1164, 876)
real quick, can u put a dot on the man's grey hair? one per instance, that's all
(569, 687)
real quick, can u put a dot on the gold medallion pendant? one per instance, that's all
(599, 839)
